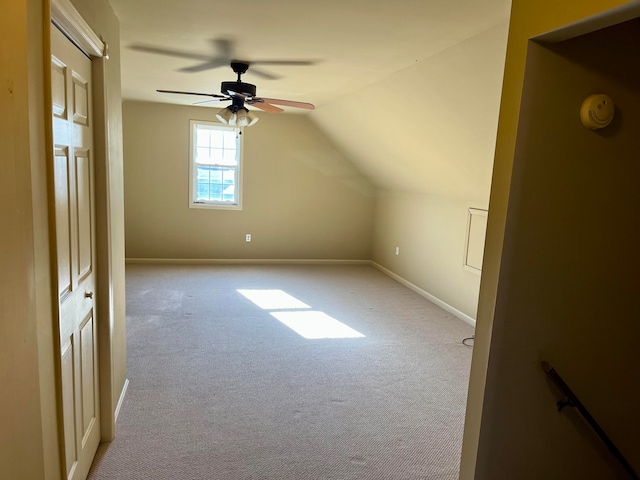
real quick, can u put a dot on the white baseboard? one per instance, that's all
(243, 261)
(433, 299)
(123, 393)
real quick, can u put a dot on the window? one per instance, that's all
(215, 178)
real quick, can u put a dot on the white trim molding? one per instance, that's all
(471, 240)
(65, 16)
(123, 393)
(243, 261)
(433, 299)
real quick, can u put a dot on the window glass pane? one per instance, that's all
(230, 139)
(228, 157)
(215, 175)
(203, 136)
(216, 138)
(228, 194)
(203, 174)
(228, 176)
(216, 192)
(203, 156)
(216, 156)
(203, 191)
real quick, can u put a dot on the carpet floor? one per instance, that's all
(221, 386)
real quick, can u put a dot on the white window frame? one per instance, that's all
(237, 204)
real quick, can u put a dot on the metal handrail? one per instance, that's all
(573, 401)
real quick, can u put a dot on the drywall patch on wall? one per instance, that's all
(474, 242)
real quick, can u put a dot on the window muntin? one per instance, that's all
(214, 166)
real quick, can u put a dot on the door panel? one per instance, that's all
(74, 226)
(58, 89)
(80, 100)
(68, 407)
(88, 379)
(63, 218)
(84, 205)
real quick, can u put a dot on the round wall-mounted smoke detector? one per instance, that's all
(597, 111)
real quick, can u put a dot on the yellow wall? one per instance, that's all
(530, 18)
(21, 431)
(28, 435)
(302, 198)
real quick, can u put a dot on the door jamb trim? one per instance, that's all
(70, 22)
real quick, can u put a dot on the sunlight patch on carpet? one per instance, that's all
(298, 316)
(273, 299)
(314, 325)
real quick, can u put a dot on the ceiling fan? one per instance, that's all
(241, 94)
(224, 54)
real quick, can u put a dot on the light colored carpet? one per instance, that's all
(220, 389)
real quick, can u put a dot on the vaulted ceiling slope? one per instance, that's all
(408, 88)
(437, 134)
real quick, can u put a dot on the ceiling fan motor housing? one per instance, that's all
(245, 89)
(240, 92)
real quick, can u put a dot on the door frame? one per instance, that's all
(65, 17)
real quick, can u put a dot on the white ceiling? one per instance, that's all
(355, 43)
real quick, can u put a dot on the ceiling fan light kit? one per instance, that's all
(240, 118)
(241, 93)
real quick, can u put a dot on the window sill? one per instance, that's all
(206, 206)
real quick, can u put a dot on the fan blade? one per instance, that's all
(211, 101)
(261, 73)
(225, 48)
(201, 67)
(169, 52)
(239, 95)
(267, 107)
(214, 95)
(288, 103)
(284, 62)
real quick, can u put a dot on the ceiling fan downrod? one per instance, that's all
(240, 68)
(246, 89)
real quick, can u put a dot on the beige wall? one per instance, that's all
(302, 198)
(431, 152)
(529, 18)
(431, 127)
(430, 232)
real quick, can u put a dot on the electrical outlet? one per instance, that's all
(397, 250)
(248, 237)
